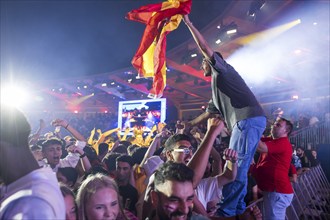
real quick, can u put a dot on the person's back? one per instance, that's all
(29, 192)
(33, 196)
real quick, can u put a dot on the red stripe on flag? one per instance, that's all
(157, 18)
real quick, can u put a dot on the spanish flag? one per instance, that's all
(160, 19)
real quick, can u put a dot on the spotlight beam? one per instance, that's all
(267, 34)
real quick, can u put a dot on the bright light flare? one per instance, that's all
(14, 96)
(295, 97)
(233, 31)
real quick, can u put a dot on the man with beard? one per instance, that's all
(173, 195)
(272, 168)
(178, 149)
(305, 162)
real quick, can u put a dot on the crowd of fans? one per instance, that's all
(216, 165)
(108, 167)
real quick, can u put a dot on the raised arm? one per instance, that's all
(181, 125)
(230, 169)
(105, 134)
(69, 128)
(200, 158)
(124, 137)
(262, 147)
(216, 165)
(148, 139)
(153, 146)
(36, 136)
(199, 39)
(91, 137)
(86, 165)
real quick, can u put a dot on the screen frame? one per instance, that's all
(142, 102)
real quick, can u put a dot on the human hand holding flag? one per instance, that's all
(160, 19)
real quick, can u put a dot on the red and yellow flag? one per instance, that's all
(160, 19)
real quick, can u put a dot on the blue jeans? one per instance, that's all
(275, 205)
(244, 139)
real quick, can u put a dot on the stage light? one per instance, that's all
(232, 31)
(226, 32)
(295, 97)
(255, 6)
(14, 95)
(189, 56)
(104, 84)
(231, 28)
(85, 86)
(76, 111)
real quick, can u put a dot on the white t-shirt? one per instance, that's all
(208, 190)
(34, 196)
(71, 160)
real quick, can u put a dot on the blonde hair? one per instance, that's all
(89, 186)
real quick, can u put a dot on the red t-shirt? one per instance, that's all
(292, 170)
(272, 170)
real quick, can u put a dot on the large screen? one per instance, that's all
(141, 114)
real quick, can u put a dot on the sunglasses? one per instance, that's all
(185, 150)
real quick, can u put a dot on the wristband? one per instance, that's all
(83, 155)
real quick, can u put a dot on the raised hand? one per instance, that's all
(75, 149)
(230, 154)
(59, 122)
(186, 19)
(215, 124)
(93, 131)
(160, 126)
